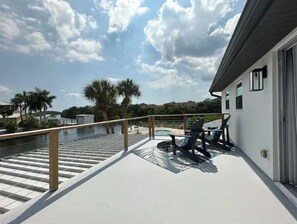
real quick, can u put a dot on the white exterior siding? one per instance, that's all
(256, 126)
(85, 118)
(251, 128)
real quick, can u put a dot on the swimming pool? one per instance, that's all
(162, 132)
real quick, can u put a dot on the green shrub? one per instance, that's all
(30, 123)
(212, 117)
(52, 123)
(11, 126)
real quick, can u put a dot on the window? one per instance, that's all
(227, 100)
(239, 96)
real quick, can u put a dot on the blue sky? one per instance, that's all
(170, 48)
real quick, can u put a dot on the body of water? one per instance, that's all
(162, 132)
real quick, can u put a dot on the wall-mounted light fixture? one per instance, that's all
(256, 78)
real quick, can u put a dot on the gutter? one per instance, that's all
(211, 93)
(249, 20)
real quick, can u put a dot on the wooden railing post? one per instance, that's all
(185, 122)
(153, 126)
(53, 160)
(150, 127)
(222, 117)
(125, 129)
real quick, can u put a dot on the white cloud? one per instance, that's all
(35, 7)
(114, 79)
(205, 67)
(5, 89)
(92, 23)
(83, 50)
(25, 49)
(4, 6)
(167, 33)
(67, 22)
(37, 42)
(165, 78)
(76, 95)
(59, 33)
(9, 28)
(138, 59)
(121, 13)
(228, 29)
(171, 80)
(191, 38)
(62, 18)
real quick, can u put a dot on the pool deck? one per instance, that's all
(127, 188)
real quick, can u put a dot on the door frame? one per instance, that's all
(281, 72)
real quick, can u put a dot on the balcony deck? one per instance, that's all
(146, 186)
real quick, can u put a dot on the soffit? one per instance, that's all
(262, 25)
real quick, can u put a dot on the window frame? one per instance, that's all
(227, 100)
(239, 98)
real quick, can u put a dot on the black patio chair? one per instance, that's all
(214, 136)
(188, 145)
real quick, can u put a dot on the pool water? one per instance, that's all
(162, 132)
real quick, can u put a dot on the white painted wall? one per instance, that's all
(256, 126)
(251, 128)
(85, 119)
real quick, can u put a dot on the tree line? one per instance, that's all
(38, 100)
(138, 110)
(28, 102)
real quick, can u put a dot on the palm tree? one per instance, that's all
(20, 101)
(39, 101)
(103, 94)
(127, 89)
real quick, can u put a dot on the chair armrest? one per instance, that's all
(180, 135)
(211, 130)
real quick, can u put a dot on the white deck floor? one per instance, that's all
(129, 189)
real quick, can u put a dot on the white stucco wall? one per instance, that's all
(85, 119)
(251, 128)
(257, 125)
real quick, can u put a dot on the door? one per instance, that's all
(289, 146)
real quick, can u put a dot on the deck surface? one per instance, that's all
(25, 176)
(129, 188)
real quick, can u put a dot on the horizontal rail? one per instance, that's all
(46, 131)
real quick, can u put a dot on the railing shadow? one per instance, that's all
(50, 197)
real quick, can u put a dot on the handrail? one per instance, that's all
(46, 131)
(54, 137)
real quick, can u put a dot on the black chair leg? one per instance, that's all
(173, 144)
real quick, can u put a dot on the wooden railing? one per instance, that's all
(54, 137)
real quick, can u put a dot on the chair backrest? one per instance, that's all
(215, 137)
(197, 126)
(224, 123)
(196, 129)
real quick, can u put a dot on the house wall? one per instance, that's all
(85, 119)
(251, 128)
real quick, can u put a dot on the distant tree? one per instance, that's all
(127, 89)
(20, 101)
(5, 112)
(73, 111)
(39, 101)
(103, 94)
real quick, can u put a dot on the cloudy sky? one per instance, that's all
(171, 48)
